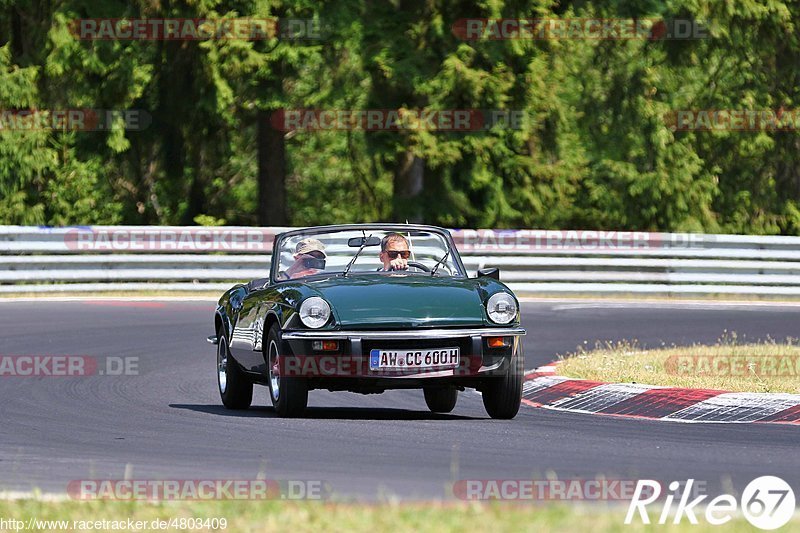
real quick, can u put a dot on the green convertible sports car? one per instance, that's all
(367, 308)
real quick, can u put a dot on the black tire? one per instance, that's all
(502, 396)
(441, 400)
(235, 388)
(289, 395)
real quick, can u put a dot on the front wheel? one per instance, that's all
(502, 396)
(289, 394)
(235, 389)
(441, 400)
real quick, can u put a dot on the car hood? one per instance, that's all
(403, 301)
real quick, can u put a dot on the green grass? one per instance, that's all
(727, 365)
(372, 518)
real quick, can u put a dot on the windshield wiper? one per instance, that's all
(440, 263)
(353, 260)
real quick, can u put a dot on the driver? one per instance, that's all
(309, 259)
(394, 252)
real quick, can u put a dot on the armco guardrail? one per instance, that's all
(122, 258)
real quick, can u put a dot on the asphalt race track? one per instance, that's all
(167, 422)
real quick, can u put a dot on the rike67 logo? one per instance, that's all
(767, 502)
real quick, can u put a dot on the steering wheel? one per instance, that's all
(419, 265)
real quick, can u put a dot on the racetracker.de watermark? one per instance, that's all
(198, 489)
(733, 120)
(482, 29)
(67, 366)
(156, 239)
(389, 363)
(549, 489)
(195, 29)
(488, 240)
(733, 365)
(74, 119)
(442, 120)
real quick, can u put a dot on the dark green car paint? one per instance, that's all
(378, 301)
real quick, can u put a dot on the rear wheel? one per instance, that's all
(235, 389)
(502, 396)
(441, 400)
(289, 394)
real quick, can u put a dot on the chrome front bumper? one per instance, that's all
(355, 337)
(404, 334)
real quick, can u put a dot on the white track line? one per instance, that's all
(111, 299)
(34, 495)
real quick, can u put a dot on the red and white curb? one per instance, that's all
(543, 387)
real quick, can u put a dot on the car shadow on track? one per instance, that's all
(326, 413)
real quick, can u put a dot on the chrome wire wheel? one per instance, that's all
(274, 371)
(222, 365)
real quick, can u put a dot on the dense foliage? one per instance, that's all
(595, 149)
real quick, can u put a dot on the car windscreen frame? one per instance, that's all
(399, 228)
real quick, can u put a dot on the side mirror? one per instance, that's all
(493, 273)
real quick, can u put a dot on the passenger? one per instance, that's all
(309, 259)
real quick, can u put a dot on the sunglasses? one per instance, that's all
(405, 254)
(314, 262)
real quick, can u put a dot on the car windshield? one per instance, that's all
(330, 252)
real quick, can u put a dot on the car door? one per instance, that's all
(248, 329)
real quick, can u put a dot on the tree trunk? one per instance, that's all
(174, 83)
(271, 173)
(408, 186)
(197, 199)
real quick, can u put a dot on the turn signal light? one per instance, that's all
(325, 346)
(497, 342)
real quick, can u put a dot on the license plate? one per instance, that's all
(414, 358)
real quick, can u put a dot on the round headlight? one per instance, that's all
(314, 312)
(502, 308)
